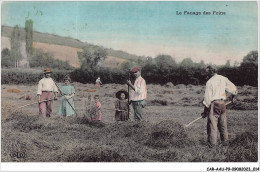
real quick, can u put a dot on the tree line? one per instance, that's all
(163, 69)
(159, 70)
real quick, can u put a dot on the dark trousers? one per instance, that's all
(217, 121)
(138, 109)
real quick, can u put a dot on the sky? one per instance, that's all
(148, 28)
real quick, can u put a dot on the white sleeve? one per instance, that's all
(207, 96)
(143, 87)
(230, 87)
(55, 89)
(39, 89)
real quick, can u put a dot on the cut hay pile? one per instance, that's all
(26, 97)
(169, 134)
(169, 85)
(91, 153)
(243, 106)
(244, 148)
(13, 90)
(91, 90)
(135, 131)
(7, 108)
(157, 102)
(168, 92)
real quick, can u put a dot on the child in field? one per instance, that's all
(67, 109)
(121, 106)
(98, 82)
(95, 111)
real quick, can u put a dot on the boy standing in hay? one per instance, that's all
(214, 105)
(46, 88)
(138, 93)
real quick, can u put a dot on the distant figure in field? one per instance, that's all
(138, 93)
(46, 88)
(98, 82)
(214, 105)
(67, 109)
(95, 110)
(121, 106)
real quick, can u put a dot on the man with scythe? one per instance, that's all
(46, 88)
(214, 105)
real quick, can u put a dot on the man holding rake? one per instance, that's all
(46, 88)
(214, 105)
(138, 93)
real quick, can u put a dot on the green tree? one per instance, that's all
(251, 58)
(15, 46)
(165, 62)
(125, 66)
(90, 57)
(202, 64)
(164, 65)
(187, 63)
(5, 58)
(29, 36)
(228, 63)
(249, 69)
(99, 56)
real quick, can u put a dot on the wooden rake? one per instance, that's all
(34, 103)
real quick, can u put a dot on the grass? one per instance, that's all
(161, 137)
(78, 140)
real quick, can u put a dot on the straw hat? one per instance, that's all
(47, 70)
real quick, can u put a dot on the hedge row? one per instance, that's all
(28, 76)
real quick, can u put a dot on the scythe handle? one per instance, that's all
(201, 117)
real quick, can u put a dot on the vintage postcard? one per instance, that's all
(143, 85)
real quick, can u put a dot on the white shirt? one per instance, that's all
(46, 84)
(216, 88)
(98, 81)
(140, 92)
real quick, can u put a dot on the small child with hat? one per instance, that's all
(121, 106)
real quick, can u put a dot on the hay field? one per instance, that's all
(160, 137)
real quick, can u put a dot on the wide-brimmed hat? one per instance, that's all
(122, 91)
(47, 70)
(135, 69)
